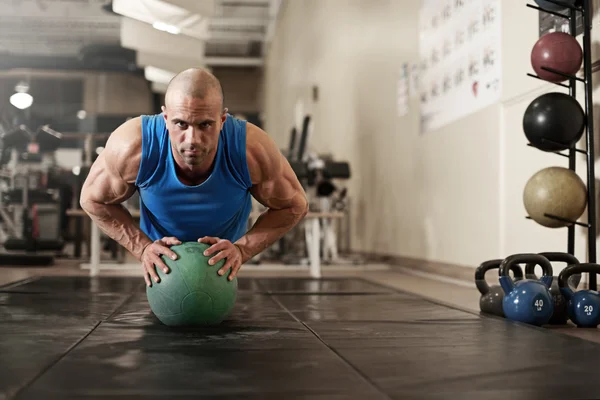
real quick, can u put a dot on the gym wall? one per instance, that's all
(453, 195)
(241, 87)
(117, 94)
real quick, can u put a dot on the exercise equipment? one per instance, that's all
(553, 7)
(192, 293)
(30, 211)
(554, 122)
(491, 298)
(555, 197)
(559, 51)
(321, 176)
(560, 316)
(583, 305)
(528, 300)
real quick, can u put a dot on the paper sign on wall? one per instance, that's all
(460, 68)
(402, 92)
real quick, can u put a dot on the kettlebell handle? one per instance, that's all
(557, 257)
(552, 256)
(535, 259)
(485, 266)
(508, 284)
(572, 269)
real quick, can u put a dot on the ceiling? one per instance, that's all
(64, 34)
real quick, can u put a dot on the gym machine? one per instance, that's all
(317, 174)
(30, 212)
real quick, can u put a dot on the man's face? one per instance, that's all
(194, 126)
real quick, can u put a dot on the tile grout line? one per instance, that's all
(356, 370)
(118, 308)
(431, 300)
(466, 310)
(51, 364)
(71, 348)
(20, 282)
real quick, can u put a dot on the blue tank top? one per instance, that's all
(218, 207)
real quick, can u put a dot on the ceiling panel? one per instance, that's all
(69, 28)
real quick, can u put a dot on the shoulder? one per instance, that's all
(264, 158)
(123, 150)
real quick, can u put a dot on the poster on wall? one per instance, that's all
(402, 91)
(460, 50)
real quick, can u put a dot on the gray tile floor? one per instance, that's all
(66, 336)
(462, 295)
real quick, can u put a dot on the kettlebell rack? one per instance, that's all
(585, 10)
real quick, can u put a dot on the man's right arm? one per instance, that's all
(110, 182)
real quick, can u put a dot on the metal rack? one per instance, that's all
(584, 8)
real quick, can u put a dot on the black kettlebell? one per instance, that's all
(560, 316)
(491, 297)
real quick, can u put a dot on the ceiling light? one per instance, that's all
(161, 26)
(21, 99)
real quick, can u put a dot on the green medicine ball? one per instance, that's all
(192, 293)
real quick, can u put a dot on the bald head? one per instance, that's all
(196, 83)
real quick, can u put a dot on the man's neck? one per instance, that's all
(194, 174)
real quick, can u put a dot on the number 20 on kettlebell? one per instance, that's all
(584, 305)
(527, 300)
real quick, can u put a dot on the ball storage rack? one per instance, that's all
(570, 13)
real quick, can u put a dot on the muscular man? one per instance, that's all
(196, 169)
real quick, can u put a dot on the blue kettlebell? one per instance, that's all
(560, 316)
(527, 300)
(584, 305)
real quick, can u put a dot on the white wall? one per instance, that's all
(454, 195)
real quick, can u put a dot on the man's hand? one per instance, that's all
(227, 250)
(151, 257)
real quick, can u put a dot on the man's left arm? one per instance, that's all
(274, 185)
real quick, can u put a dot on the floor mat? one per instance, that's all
(286, 338)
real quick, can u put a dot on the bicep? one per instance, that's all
(274, 183)
(281, 189)
(111, 179)
(104, 184)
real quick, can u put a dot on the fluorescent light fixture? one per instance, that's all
(206, 8)
(164, 17)
(141, 36)
(161, 26)
(21, 100)
(158, 75)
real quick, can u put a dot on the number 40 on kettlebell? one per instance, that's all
(527, 300)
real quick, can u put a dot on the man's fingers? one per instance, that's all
(220, 256)
(171, 241)
(147, 278)
(225, 267)
(208, 240)
(234, 272)
(160, 249)
(161, 264)
(152, 271)
(223, 245)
